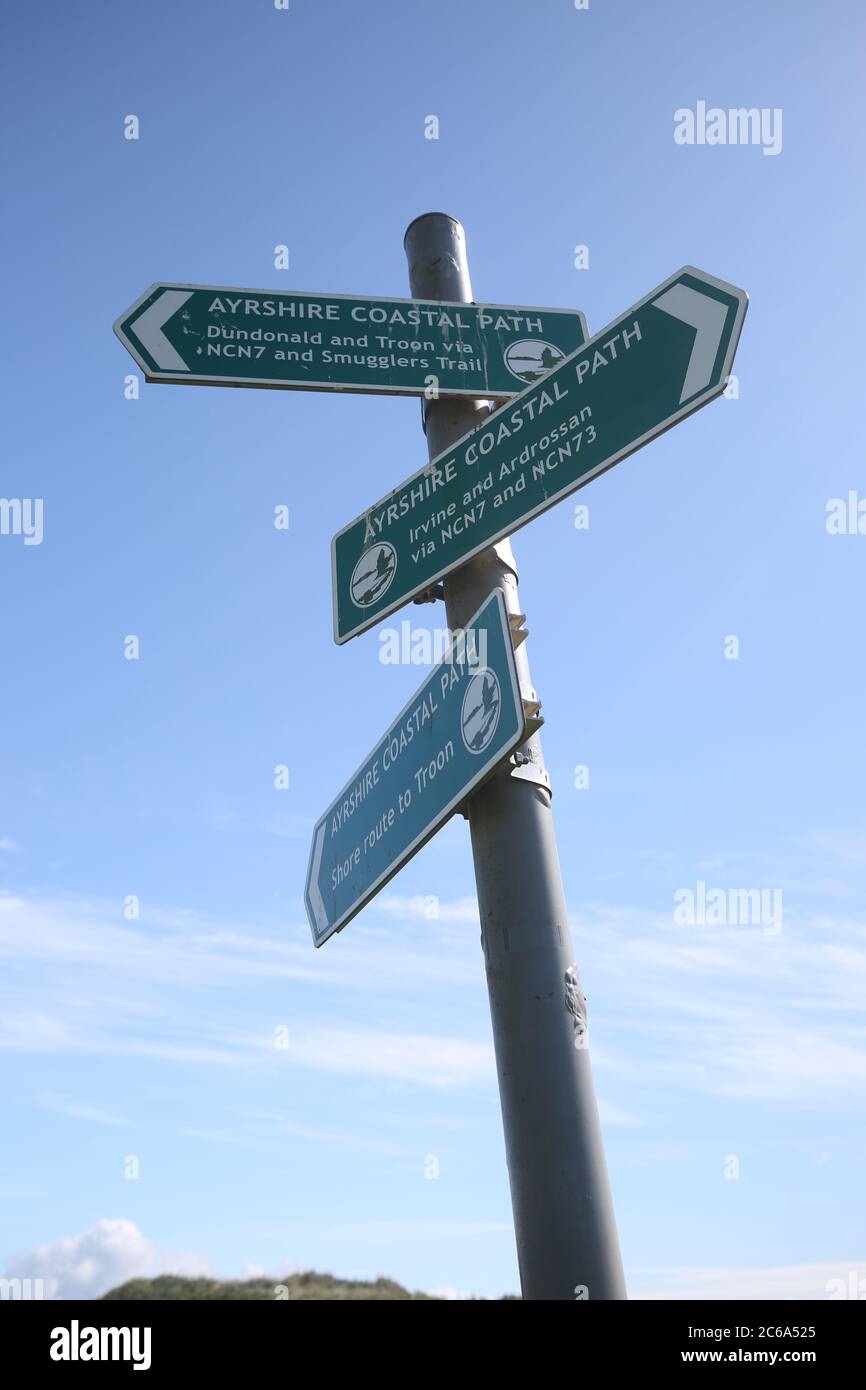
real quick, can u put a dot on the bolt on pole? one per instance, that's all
(567, 1243)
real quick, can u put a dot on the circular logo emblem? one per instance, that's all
(531, 358)
(479, 715)
(372, 575)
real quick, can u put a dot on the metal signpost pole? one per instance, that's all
(567, 1243)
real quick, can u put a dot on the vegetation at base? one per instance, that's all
(308, 1285)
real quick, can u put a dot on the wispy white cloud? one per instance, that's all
(727, 1010)
(90, 1113)
(232, 1137)
(402, 1228)
(425, 1059)
(420, 1059)
(181, 948)
(274, 1124)
(834, 1280)
(8, 845)
(724, 1010)
(132, 977)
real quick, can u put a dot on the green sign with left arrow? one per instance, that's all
(207, 336)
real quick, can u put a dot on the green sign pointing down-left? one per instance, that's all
(463, 721)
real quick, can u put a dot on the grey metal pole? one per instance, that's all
(567, 1244)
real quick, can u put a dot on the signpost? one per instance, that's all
(660, 361)
(463, 721)
(207, 336)
(572, 409)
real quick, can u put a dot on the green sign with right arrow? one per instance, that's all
(663, 359)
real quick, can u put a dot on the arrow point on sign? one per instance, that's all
(149, 325)
(708, 317)
(317, 902)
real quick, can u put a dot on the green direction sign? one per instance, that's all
(315, 342)
(466, 717)
(667, 356)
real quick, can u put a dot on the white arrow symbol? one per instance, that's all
(318, 904)
(148, 330)
(707, 316)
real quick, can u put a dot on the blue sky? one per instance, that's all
(154, 1038)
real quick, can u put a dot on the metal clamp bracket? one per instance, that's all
(526, 766)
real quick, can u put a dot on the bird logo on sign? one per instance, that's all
(373, 574)
(531, 358)
(479, 715)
